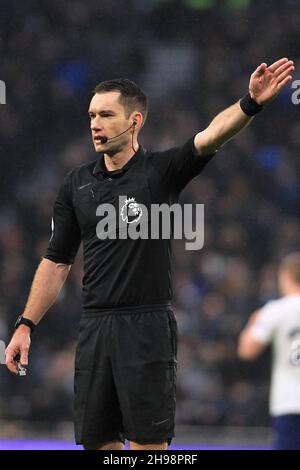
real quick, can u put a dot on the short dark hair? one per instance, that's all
(291, 264)
(132, 96)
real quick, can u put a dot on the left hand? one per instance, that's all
(266, 82)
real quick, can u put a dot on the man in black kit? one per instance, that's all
(125, 367)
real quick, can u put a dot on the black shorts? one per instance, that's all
(125, 373)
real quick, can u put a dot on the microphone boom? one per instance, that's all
(105, 139)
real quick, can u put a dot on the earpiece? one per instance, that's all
(134, 122)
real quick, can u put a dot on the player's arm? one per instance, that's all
(47, 283)
(249, 347)
(265, 83)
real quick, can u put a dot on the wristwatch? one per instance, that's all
(24, 321)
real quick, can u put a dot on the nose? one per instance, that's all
(95, 124)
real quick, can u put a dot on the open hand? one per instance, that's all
(266, 82)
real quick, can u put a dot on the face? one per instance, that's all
(108, 119)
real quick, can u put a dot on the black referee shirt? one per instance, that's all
(120, 273)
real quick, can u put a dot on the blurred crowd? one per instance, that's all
(193, 58)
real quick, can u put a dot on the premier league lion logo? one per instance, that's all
(131, 211)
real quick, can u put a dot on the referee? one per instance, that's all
(125, 366)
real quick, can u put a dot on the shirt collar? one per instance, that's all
(100, 167)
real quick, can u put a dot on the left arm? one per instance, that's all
(265, 83)
(248, 347)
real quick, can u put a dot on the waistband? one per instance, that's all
(128, 309)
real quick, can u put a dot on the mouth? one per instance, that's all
(97, 139)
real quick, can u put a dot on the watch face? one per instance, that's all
(24, 321)
(19, 319)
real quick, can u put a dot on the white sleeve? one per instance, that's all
(266, 322)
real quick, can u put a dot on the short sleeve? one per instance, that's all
(264, 327)
(66, 235)
(185, 164)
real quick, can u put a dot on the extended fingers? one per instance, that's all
(289, 65)
(278, 64)
(285, 74)
(284, 82)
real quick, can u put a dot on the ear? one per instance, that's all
(137, 120)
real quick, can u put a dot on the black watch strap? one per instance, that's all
(25, 321)
(249, 105)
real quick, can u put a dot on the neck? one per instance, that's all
(292, 290)
(120, 158)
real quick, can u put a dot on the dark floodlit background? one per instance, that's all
(193, 58)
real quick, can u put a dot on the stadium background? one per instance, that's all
(193, 58)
